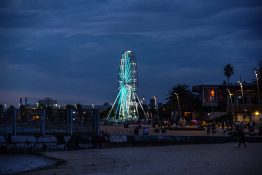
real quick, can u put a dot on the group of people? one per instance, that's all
(236, 130)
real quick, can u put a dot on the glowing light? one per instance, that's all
(257, 113)
(126, 104)
(212, 92)
(36, 117)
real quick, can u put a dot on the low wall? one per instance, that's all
(46, 143)
(169, 140)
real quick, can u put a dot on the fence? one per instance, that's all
(43, 122)
(29, 144)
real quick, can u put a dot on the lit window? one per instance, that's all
(212, 92)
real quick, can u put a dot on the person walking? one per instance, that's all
(242, 140)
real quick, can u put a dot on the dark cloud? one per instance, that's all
(70, 49)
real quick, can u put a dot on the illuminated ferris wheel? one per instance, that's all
(125, 107)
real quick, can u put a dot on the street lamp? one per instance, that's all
(230, 97)
(241, 87)
(242, 96)
(142, 101)
(256, 74)
(178, 102)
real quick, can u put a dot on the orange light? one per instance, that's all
(36, 117)
(212, 92)
(186, 114)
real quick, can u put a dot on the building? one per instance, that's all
(47, 102)
(241, 100)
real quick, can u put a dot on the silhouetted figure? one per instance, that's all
(241, 138)
(208, 129)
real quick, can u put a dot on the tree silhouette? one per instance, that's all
(186, 98)
(228, 71)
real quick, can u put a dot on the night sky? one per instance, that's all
(70, 50)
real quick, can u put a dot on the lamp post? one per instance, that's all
(242, 96)
(178, 103)
(230, 97)
(143, 100)
(241, 87)
(256, 74)
(142, 103)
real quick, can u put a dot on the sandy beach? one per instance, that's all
(202, 159)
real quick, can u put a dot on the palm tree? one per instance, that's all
(186, 98)
(228, 71)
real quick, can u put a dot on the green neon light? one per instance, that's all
(126, 105)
